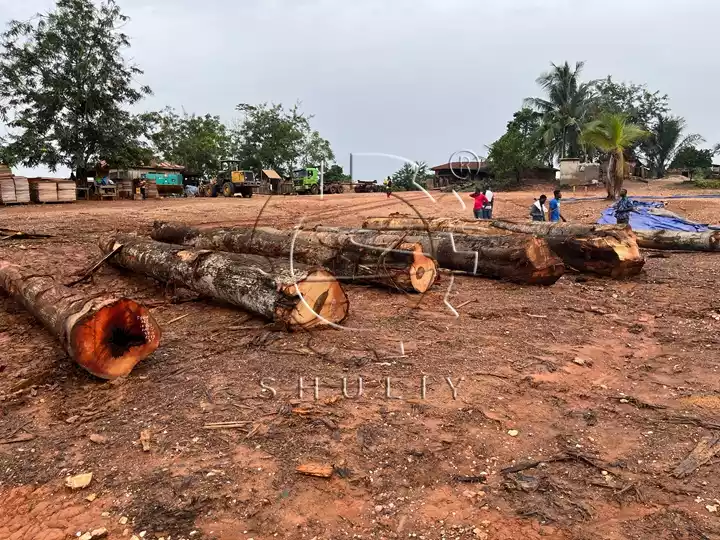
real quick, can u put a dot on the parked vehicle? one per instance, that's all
(231, 180)
(307, 180)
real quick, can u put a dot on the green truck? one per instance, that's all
(307, 180)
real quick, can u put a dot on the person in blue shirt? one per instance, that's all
(555, 214)
(623, 208)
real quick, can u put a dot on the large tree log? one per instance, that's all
(106, 335)
(608, 250)
(679, 240)
(516, 258)
(296, 297)
(395, 263)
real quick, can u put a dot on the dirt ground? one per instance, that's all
(620, 375)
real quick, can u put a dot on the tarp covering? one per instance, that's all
(653, 216)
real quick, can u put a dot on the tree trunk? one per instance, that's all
(679, 240)
(105, 335)
(608, 250)
(397, 264)
(294, 296)
(515, 258)
(609, 181)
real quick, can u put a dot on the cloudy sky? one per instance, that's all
(415, 78)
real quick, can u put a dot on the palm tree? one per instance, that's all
(666, 140)
(565, 109)
(612, 133)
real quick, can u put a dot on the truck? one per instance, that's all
(232, 180)
(307, 180)
(368, 186)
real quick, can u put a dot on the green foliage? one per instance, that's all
(702, 183)
(64, 86)
(614, 134)
(692, 158)
(408, 177)
(565, 109)
(271, 137)
(520, 148)
(635, 101)
(666, 140)
(196, 142)
(335, 174)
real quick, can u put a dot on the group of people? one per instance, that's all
(484, 199)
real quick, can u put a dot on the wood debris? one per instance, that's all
(705, 450)
(145, 440)
(79, 481)
(316, 469)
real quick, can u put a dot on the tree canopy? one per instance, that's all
(693, 158)
(410, 177)
(65, 87)
(520, 148)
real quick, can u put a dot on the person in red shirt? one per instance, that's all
(480, 201)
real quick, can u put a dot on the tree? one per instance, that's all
(272, 137)
(520, 148)
(336, 174)
(196, 142)
(640, 105)
(565, 110)
(613, 134)
(410, 176)
(665, 141)
(64, 86)
(692, 158)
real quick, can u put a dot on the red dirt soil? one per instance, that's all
(624, 374)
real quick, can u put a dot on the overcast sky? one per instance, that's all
(416, 78)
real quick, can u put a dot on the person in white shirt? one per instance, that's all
(489, 195)
(538, 211)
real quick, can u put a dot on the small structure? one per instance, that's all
(270, 182)
(575, 173)
(166, 176)
(458, 172)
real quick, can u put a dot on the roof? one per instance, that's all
(271, 174)
(164, 165)
(461, 165)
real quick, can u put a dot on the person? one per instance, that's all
(488, 209)
(480, 202)
(388, 188)
(538, 209)
(623, 208)
(555, 214)
(143, 186)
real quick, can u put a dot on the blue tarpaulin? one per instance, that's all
(653, 216)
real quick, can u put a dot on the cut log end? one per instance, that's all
(112, 340)
(325, 301)
(545, 268)
(423, 271)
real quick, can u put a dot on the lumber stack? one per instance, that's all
(151, 190)
(393, 262)
(607, 250)
(7, 186)
(66, 191)
(105, 335)
(293, 296)
(43, 191)
(22, 189)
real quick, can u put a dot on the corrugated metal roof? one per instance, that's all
(461, 165)
(167, 166)
(270, 173)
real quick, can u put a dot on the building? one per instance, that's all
(458, 172)
(167, 176)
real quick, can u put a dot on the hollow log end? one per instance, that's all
(109, 342)
(325, 301)
(423, 270)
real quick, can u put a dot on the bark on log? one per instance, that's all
(679, 240)
(395, 263)
(516, 258)
(297, 297)
(608, 250)
(105, 335)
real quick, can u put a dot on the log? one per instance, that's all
(394, 263)
(679, 240)
(105, 335)
(515, 258)
(608, 250)
(295, 297)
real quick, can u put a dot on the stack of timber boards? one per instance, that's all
(43, 191)
(66, 191)
(151, 191)
(22, 189)
(7, 186)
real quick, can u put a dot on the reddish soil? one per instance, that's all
(623, 374)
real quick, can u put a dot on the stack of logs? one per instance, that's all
(295, 277)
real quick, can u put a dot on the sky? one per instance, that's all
(419, 79)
